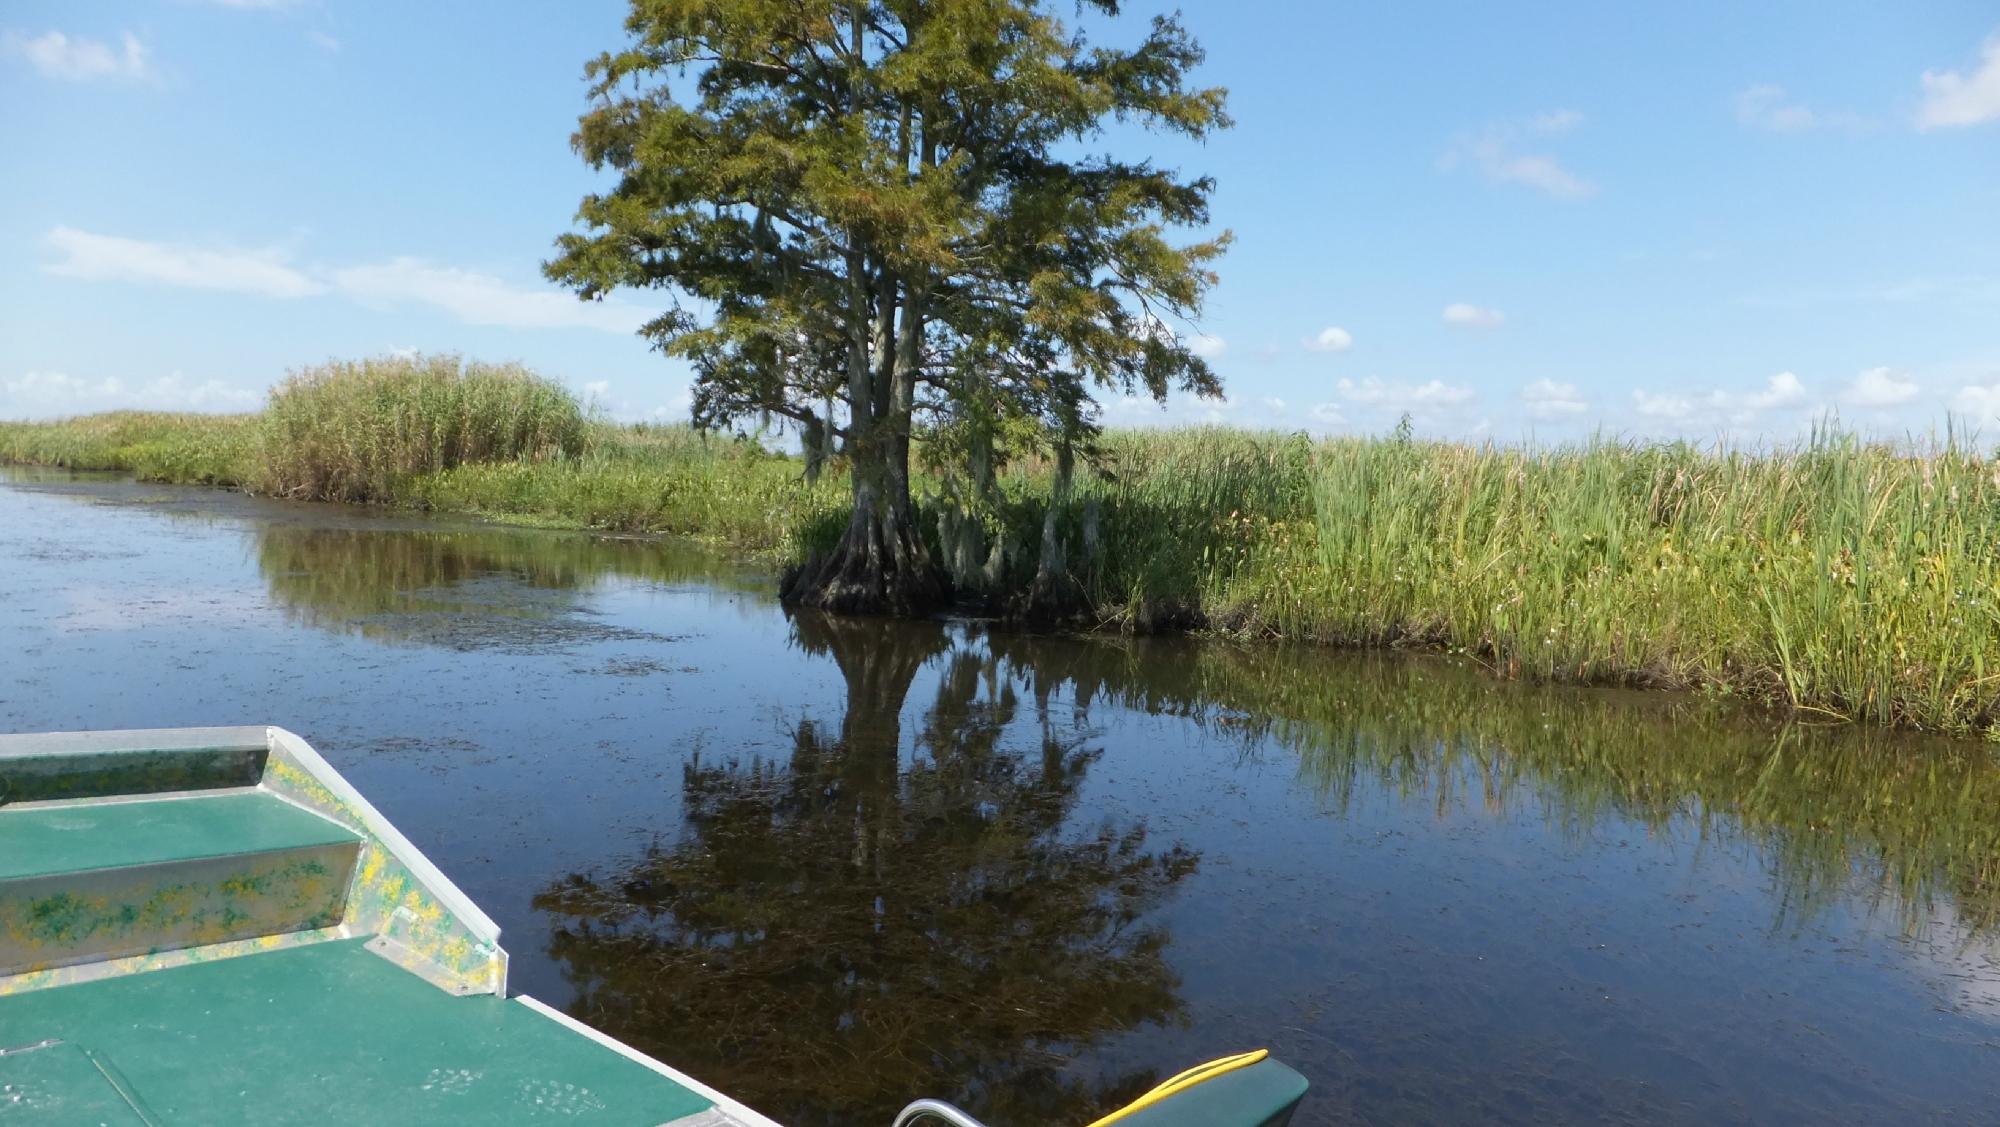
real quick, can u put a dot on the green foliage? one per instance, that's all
(670, 479)
(354, 430)
(152, 445)
(898, 217)
(1840, 576)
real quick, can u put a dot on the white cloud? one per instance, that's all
(1547, 399)
(1979, 403)
(323, 40)
(76, 60)
(50, 394)
(1879, 387)
(1555, 121)
(674, 410)
(1495, 153)
(470, 296)
(480, 299)
(1767, 107)
(1472, 316)
(1661, 405)
(1205, 346)
(1333, 338)
(1781, 391)
(1374, 391)
(111, 258)
(1951, 98)
(1327, 414)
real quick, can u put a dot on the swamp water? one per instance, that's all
(831, 865)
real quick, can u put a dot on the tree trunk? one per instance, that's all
(881, 565)
(1055, 597)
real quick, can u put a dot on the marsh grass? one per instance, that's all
(153, 445)
(1839, 577)
(357, 430)
(1851, 578)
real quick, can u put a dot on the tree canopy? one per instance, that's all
(881, 218)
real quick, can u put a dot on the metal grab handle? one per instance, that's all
(935, 1109)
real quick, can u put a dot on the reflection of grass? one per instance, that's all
(404, 584)
(1844, 578)
(1912, 817)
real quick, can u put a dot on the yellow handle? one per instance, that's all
(1182, 1081)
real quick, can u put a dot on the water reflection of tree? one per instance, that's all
(837, 934)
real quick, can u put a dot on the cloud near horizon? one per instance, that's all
(1207, 347)
(1395, 395)
(1783, 390)
(1978, 403)
(41, 395)
(1547, 399)
(1879, 387)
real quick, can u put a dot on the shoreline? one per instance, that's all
(1846, 581)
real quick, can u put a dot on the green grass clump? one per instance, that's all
(646, 479)
(354, 431)
(1855, 579)
(1848, 578)
(153, 445)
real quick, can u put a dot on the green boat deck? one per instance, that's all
(210, 926)
(46, 840)
(328, 1032)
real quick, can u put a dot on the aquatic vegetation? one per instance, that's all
(1841, 577)
(353, 430)
(153, 445)
(646, 479)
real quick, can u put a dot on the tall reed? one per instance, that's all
(354, 430)
(153, 445)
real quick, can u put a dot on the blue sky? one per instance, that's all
(1700, 219)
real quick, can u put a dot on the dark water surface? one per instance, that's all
(833, 865)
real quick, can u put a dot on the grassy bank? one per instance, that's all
(1849, 579)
